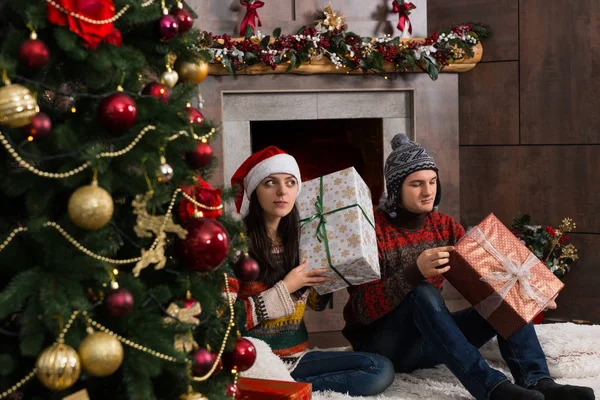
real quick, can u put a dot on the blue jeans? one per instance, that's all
(422, 333)
(358, 374)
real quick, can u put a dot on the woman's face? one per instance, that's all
(277, 195)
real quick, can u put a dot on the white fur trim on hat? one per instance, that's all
(277, 164)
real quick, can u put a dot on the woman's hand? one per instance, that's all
(431, 260)
(300, 277)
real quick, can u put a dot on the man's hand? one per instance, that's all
(430, 261)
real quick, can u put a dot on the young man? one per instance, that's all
(403, 317)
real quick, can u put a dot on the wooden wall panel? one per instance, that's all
(560, 59)
(547, 182)
(579, 299)
(489, 104)
(501, 15)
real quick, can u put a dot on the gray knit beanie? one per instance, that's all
(406, 157)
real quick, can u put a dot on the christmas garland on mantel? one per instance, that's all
(328, 47)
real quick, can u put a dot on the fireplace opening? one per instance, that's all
(328, 145)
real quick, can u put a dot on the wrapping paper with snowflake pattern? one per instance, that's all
(500, 277)
(336, 216)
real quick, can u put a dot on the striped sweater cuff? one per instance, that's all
(274, 303)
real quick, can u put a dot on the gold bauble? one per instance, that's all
(17, 106)
(192, 72)
(58, 367)
(193, 396)
(169, 78)
(101, 354)
(90, 207)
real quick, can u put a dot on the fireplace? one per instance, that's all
(325, 146)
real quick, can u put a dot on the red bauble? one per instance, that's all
(232, 391)
(201, 157)
(188, 303)
(246, 269)
(34, 54)
(202, 361)
(158, 91)
(118, 302)
(184, 19)
(168, 27)
(194, 116)
(39, 127)
(206, 245)
(242, 357)
(117, 112)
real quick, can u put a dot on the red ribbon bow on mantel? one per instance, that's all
(251, 14)
(403, 8)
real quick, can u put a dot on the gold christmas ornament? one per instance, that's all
(101, 354)
(183, 314)
(58, 367)
(17, 105)
(193, 396)
(185, 343)
(169, 78)
(192, 72)
(90, 207)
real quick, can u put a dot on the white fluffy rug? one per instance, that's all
(573, 353)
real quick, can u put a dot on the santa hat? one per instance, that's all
(260, 165)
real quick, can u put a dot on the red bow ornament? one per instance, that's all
(204, 194)
(403, 9)
(97, 10)
(252, 7)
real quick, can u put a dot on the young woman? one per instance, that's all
(274, 304)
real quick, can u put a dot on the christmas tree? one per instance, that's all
(113, 247)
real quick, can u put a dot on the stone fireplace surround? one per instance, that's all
(413, 104)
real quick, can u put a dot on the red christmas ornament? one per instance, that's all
(201, 156)
(202, 361)
(117, 112)
(232, 390)
(184, 19)
(118, 303)
(246, 269)
(39, 127)
(194, 116)
(242, 357)
(206, 245)
(204, 194)
(33, 54)
(188, 303)
(168, 27)
(158, 91)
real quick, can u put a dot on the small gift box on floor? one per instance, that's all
(261, 389)
(504, 281)
(336, 216)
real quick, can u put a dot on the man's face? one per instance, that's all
(418, 191)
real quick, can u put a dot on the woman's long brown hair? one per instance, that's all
(261, 244)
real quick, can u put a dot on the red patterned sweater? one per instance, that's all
(398, 252)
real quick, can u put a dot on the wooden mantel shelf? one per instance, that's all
(324, 66)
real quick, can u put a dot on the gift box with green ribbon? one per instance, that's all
(338, 231)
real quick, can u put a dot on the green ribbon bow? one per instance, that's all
(321, 232)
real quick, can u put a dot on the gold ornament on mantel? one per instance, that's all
(186, 315)
(101, 354)
(58, 367)
(91, 207)
(192, 72)
(17, 105)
